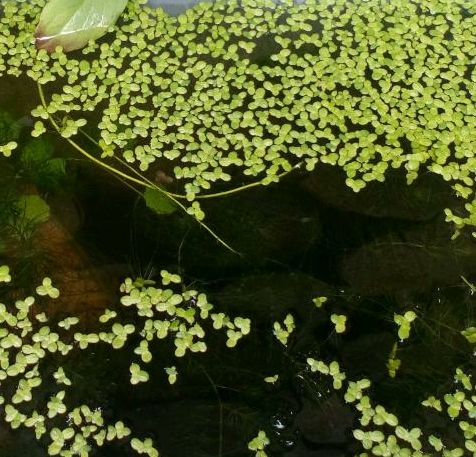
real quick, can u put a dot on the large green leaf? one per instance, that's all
(159, 202)
(72, 23)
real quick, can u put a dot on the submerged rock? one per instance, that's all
(272, 295)
(416, 259)
(394, 198)
(327, 422)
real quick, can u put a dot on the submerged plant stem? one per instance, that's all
(125, 176)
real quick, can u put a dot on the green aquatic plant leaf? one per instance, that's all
(271, 379)
(259, 442)
(319, 301)
(48, 289)
(36, 151)
(5, 274)
(33, 209)
(60, 377)
(404, 323)
(138, 375)
(470, 334)
(6, 149)
(56, 405)
(282, 332)
(393, 363)
(39, 165)
(68, 322)
(339, 321)
(144, 447)
(71, 24)
(171, 374)
(432, 402)
(158, 202)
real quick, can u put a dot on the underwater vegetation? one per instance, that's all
(310, 165)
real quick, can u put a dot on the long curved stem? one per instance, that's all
(125, 176)
(245, 186)
(199, 196)
(84, 152)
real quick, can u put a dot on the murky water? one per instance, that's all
(373, 254)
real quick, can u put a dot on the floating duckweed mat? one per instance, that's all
(252, 89)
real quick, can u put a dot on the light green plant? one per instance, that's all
(284, 330)
(404, 324)
(6, 149)
(26, 342)
(339, 321)
(341, 87)
(258, 444)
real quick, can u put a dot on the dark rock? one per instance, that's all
(327, 422)
(272, 295)
(424, 198)
(416, 259)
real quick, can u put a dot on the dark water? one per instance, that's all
(382, 251)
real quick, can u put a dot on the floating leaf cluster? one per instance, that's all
(283, 331)
(27, 341)
(26, 344)
(163, 313)
(381, 433)
(257, 87)
(375, 421)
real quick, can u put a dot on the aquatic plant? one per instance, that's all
(254, 89)
(258, 444)
(28, 339)
(381, 432)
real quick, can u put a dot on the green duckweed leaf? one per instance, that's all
(271, 379)
(5, 274)
(68, 322)
(138, 375)
(339, 321)
(60, 377)
(56, 405)
(144, 447)
(319, 301)
(47, 288)
(172, 374)
(469, 333)
(72, 23)
(6, 149)
(259, 442)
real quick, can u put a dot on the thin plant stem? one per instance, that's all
(202, 196)
(220, 413)
(125, 176)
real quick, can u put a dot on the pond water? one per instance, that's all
(373, 254)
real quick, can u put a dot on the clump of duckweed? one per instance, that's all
(366, 86)
(28, 339)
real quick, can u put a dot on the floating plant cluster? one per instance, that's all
(251, 89)
(381, 433)
(28, 339)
